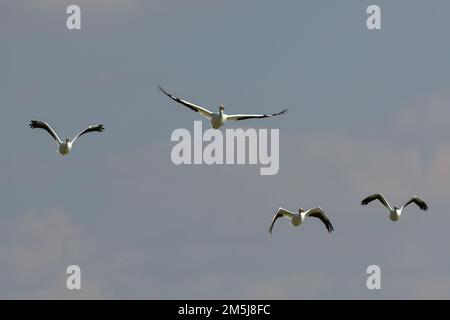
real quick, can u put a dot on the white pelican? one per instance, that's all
(298, 218)
(218, 119)
(64, 146)
(395, 213)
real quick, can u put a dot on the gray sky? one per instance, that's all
(368, 113)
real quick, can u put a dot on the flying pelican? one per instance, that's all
(298, 218)
(395, 213)
(64, 146)
(218, 119)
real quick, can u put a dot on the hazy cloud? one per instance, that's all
(41, 246)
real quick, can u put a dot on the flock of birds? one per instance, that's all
(298, 218)
(217, 120)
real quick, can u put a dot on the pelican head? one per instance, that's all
(67, 140)
(221, 108)
(301, 210)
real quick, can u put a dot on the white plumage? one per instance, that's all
(64, 147)
(395, 212)
(298, 218)
(219, 118)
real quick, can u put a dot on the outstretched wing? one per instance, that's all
(238, 117)
(420, 203)
(377, 196)
(318, 213)
(44, 125)
(208, 114)
(280, 213)
(93, 128)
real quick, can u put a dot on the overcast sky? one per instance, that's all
(369, 112)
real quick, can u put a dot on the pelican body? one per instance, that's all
(65, 147)
(395, 213)
(218, 119)
(298, 218)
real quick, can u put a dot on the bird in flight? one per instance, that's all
(298, 218)
(65, 146)
(395, 213)
(219, 118)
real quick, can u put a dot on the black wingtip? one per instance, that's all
(330, 228)
(33, 124)
(285, 110)
(366, 201)
(161, 89)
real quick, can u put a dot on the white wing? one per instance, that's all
(420, 203)
(376, 196)
(280, 213)
(238, 117)
(44, 125)
(93, 128)
(208, 114)
(320, 214)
